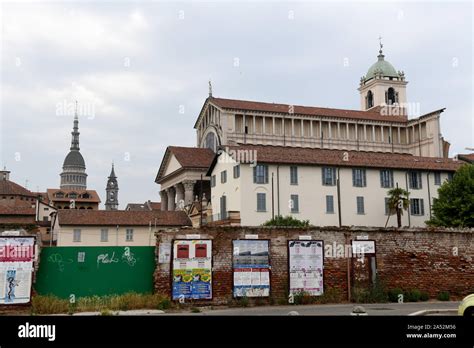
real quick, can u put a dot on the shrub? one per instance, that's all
(424, 296)
(164, 304)
(394, 293)
(413, 295)
(195, 310)
(443, 296)
(286, 221)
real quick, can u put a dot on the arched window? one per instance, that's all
(370, 99)
(211, 141)
(390, 96)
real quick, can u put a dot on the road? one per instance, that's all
(332, 309)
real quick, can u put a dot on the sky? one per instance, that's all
(140, 70)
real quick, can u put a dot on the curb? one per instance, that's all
(433, 311)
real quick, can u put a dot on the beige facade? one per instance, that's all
(241, 194)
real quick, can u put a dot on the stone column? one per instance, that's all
(171, 195)
(179, 196)
(164, 200)
(188, 191)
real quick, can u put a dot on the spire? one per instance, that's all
(380, 56)
(210, 89)
(75, 132)
(112, 172)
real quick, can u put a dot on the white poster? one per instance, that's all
(16, 269)
(306, 267)
(363, 247)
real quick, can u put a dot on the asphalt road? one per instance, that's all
(333, 309)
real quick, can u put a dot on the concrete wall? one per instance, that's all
(428, 260)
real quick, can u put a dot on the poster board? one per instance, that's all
(306, 266)
(363, 247)
(16, 269)
(251, 266)
(191, 273)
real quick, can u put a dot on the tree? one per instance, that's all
(397, 202)
(286, 221)
(454, 206)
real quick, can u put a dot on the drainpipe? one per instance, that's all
(116, 235)
(339, 196)
(278, 189)
(273, 199)
(348, 264)
(429, 193)
(408, 212)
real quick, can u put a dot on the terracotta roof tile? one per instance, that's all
(8, 187)
(311, 156)
(122, 217)
(373, 114)
(192, 157)
(467, 157)
(94, 197)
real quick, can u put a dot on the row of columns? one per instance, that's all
(178, 196)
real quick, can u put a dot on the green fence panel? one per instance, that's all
(88, 271)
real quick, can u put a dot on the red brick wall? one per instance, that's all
(421, 259)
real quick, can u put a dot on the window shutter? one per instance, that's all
(422, 207)
(266, 175)
(381, 179)
(364, 178)
(353, 177)
(420, 183)
(255, 174)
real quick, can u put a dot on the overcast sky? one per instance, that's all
(134, 66)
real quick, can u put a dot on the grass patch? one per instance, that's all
(52, 304)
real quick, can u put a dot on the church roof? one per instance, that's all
(188, 158)
(93, 196)
(381, 67)
(74, 159)
(312, 111)
(311, 156)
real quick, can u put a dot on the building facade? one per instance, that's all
(326, 187)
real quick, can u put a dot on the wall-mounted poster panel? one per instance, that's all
(306, 266)
(251, 268)
(16, 269)
(192, 263)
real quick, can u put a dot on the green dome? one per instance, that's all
(383, 67)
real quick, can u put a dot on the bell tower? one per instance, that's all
(382, 85)
(112, 191)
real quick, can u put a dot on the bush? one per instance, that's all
(164, 304)
(413, 295)
(424, 296)
(394, 293)
(288, 221)
(443, 296)
(195, 310)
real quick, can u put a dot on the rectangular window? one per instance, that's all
(294, 175)
(414, 180)
(387, 208)
(129, 235)
(260, 174)
(237, 171)
(223, 201)
(359, 178)
(450, 176)
(437, 178)
(261, 202)
(329, 176)
(295, 204)
(45, 218)
(330, 204)
(213, 181)
(360, 205)
(104, 235)
(224, 176)
(417, 206)
(386, 178)
(76, 236)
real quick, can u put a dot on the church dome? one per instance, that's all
(74, 159)
(381, 67)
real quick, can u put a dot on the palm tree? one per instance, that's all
(397, 202)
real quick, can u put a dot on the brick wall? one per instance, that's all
(430, 260)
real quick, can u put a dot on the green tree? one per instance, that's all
(286, 221)
(397, 202)
(454, 206)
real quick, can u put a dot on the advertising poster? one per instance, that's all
(16, 269)
(192, 262)
(251, 268)
(306, 266)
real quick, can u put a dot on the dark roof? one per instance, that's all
(188, 158)
(311, 156)
(121, 217)
(74, 159)
(469, 158)
(8, 187)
